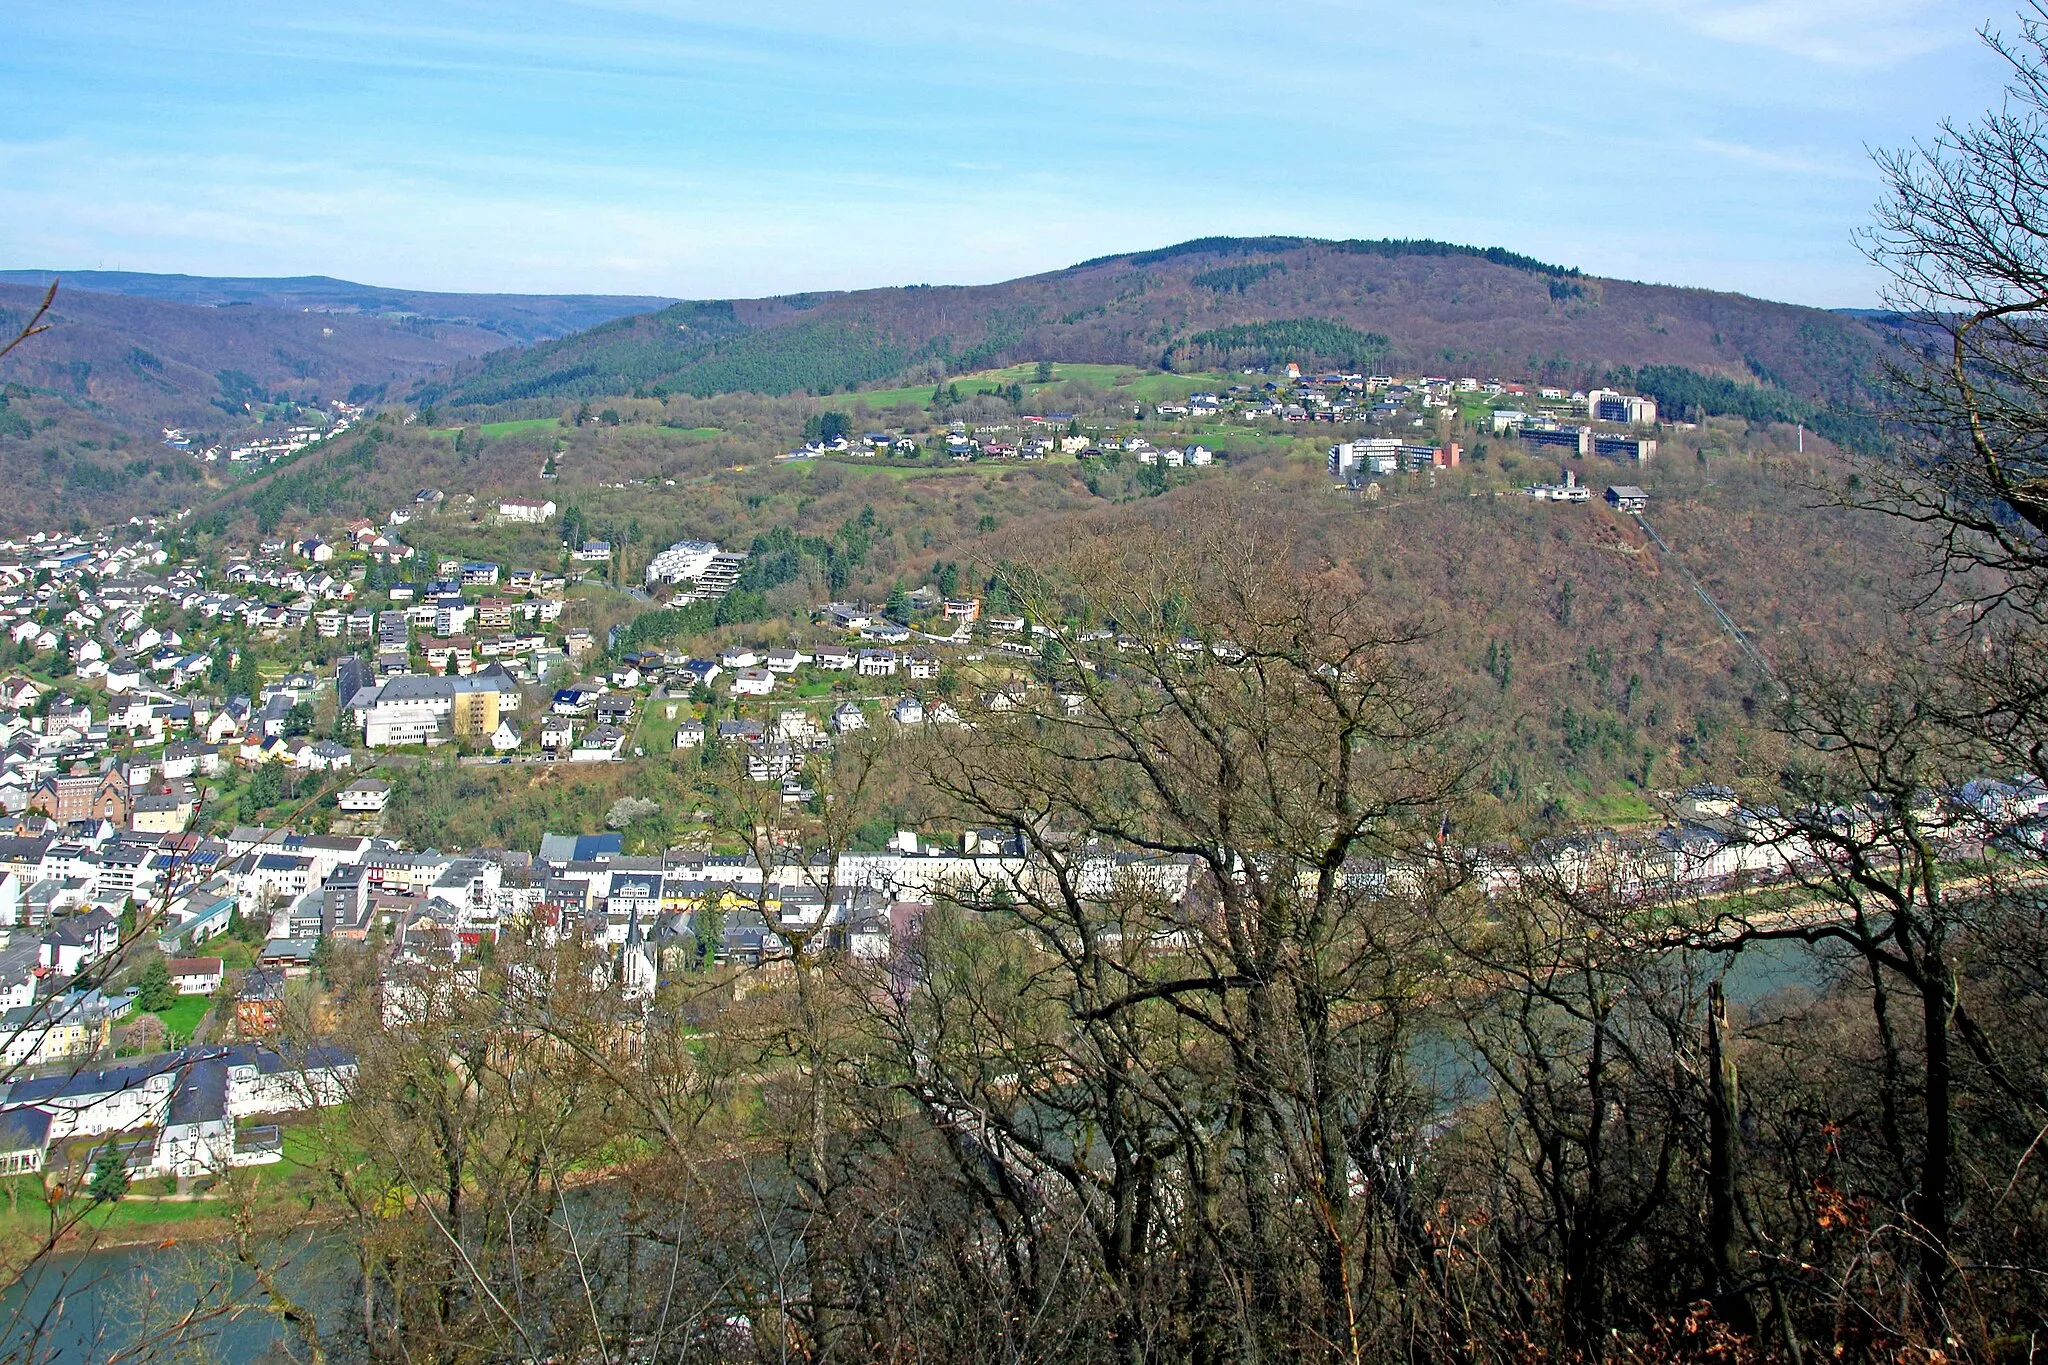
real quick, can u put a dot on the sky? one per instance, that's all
(733, 149)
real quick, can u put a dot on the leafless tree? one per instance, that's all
(1230, 784)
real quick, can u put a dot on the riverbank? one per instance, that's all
(292, 1191)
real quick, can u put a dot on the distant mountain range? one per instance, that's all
(1404, 306)
(512, 318)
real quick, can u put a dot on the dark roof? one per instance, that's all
(24, 1130)
(202, 1093)
(261, 984)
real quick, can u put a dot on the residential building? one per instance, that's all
(364, 796)
(406, 710)
(195, 975)
(533, 510)
(684, 561)
(1605, 405)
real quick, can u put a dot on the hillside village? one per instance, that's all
(138, 728)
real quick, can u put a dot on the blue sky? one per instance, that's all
(657, 146)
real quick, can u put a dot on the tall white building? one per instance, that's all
(686, 560)
(1369, 455)
(1605, 405)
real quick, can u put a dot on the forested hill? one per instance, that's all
(1390, 305)
(82, 405)
(136, 363)
(494, 319)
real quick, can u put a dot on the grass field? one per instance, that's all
(514, 428)
(982, 468)
(182, 1019)
(656, 733)
(1149, 386)
(1612, 808)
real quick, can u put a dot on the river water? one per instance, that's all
(87, 1306)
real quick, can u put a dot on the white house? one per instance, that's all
(600, 745)
(753, 682)
(194, 1098)
(365, 795)
(534, 510)
(195, 975)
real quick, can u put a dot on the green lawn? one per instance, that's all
(929, 470)
(182, 1019)
(514, 428)
(1148, 386)
(293, 1186)
(1613, 808)
(657, 733)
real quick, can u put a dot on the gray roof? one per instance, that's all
(24, 1130)
(202, 1094)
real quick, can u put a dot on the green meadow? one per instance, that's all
(1145, 386)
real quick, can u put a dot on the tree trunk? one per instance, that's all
(1731, 1305)
(1930, 1202)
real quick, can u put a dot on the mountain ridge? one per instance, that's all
(1425, 305)
(518, 318)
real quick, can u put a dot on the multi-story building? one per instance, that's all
(1351, 460)
(684, 561)
(1605, 405)
(532, 510)
(406, 710)
(1636, 448)
(83, 796)
(1578, 440)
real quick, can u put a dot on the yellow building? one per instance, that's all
(474, 715)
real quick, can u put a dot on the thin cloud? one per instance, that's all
(1857, 33)
(1790, 162)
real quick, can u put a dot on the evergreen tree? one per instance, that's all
(156, 991)
(109, 1178)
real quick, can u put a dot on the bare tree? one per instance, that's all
(1230, 784)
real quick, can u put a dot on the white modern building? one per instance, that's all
(684, 561)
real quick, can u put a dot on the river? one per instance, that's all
(86, 1306)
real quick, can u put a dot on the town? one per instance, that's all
(140, 729)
